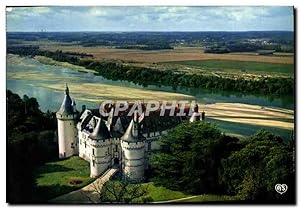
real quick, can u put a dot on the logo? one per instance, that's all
(281, 188)
(164, 108)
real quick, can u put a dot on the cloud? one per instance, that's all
(150, 18)
(98, 11)
(21, 12)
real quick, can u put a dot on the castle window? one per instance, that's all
(93, 151)
(93, 163)
(116, 148)
(84, 144)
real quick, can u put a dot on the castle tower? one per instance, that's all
(133, 148)
(100, 149)
(67, 132)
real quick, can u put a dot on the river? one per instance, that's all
(28, 76)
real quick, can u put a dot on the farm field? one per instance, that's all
(230, 66)
(170, 55)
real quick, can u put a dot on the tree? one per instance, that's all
(252, 172)
(30, 142)
(190, 157)
(121, 190)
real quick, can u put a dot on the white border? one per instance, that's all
(5, 3)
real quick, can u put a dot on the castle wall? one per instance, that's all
(103, 154)
(84, 146)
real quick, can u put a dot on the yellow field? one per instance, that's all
(177, 54)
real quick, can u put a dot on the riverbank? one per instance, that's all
(49, 61)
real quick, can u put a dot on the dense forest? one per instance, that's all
(197, 158)
(31, 141)
(147, 76)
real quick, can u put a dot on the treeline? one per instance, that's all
(31, 141)
(150, 38)
(281, 41)
(231, 46)
(147, 76)
(216, 50)
(24, 50)
(197, 158)
(57, 55)
(81, 55)
(146, 47)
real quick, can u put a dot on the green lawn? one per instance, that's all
(60, 177)
(159, 193)
(243, 66)
(210, 198)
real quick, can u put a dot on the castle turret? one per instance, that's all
(133, 144)
(100, 149)
(67, 132)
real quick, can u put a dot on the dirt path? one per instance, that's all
(175, 200)
(87, 194)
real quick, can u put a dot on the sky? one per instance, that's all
(149, 18)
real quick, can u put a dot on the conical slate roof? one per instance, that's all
(66, 107)
(133, 132)
(100, 132)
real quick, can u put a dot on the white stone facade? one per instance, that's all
(130, 157)
(67, 136)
